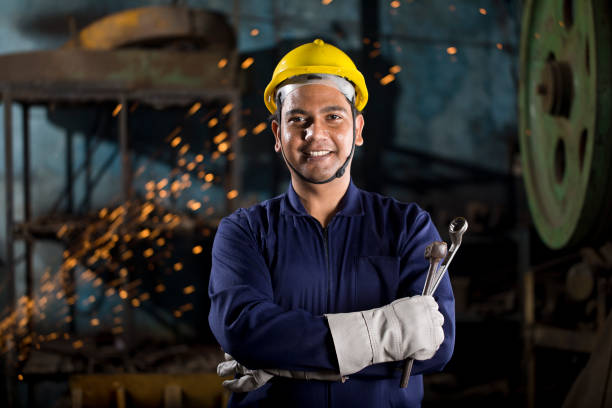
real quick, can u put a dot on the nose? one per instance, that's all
(315, 130)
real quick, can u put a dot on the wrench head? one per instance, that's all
(435, 250)
(456, 229)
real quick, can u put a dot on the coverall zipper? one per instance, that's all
(326, 247)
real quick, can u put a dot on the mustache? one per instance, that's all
(317, 147)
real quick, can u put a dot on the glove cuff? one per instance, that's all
(351, 341)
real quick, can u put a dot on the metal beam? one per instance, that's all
(9, 279)
(126, 164)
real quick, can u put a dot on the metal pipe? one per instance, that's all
(69, 183)
(87, 199)
(126, 166)
(234, 167)
(126, 182)
(10, 260)
(27, 209)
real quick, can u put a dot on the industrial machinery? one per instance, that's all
(565, 100)
(124, 68)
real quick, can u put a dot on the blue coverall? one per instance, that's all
(276, 272)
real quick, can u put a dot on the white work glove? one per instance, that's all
(408, 327)
(253, 379)
(250, 380)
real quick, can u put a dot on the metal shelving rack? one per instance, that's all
(82, 76)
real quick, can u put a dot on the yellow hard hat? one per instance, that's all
(316, 57)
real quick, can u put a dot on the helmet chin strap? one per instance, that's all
(339, 173)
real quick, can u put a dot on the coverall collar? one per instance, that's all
(349, 206)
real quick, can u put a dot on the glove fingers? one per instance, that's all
(227, 368)
(245, 383)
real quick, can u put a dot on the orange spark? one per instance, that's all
(227, 108)
(220, 137)
(175, 142)
(247, 63)
(197, 249)
(387, 79)
(222, 63)
(451, 50)
(213, 122)
(259, 128)
(184, 149)
(254, 32)
(196, 107)
(189, 289)
(482, 11)
(395, 69)
(223, 147)
(117, 109)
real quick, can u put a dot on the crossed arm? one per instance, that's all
(261, 334)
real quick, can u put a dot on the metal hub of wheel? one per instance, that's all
(565, 103)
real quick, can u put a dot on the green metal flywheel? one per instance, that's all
(565, 108)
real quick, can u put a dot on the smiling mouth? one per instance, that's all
(318, 153)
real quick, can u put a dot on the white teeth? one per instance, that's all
(321, 153)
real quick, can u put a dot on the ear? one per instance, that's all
(359, 122)
(277, 144)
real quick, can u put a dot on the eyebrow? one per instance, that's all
(295, 111)
(333, 108)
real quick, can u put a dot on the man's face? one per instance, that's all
(317, 130)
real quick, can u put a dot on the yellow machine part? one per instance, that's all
(201, 390)
(145, 24)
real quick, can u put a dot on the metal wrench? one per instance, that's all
(434, 275)
(434, 253)
(456, 229)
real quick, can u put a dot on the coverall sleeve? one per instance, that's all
(413, 272)
(244, 318)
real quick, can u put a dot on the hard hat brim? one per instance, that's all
(352, 75)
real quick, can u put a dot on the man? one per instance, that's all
(315, 293)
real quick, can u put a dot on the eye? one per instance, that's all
(296, 119)
(333, 116)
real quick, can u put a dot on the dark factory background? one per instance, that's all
(130, 128)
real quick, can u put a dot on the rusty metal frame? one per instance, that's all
(158, 78)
